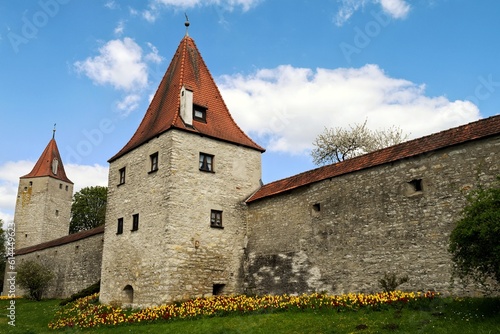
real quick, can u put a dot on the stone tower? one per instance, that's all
(44, 198)
(175, 220)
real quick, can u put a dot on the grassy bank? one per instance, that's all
(441, 315)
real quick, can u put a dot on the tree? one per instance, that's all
(339, 144)
(34, 278)
(88, 209)
(474, 243)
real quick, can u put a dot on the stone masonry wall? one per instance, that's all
(75, 265)
(175, 254)
(341, 235)
(43, 210)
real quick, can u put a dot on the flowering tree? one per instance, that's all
(338, 144)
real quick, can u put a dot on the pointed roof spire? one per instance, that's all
(187, 69)
(186, 24)
(49, 163)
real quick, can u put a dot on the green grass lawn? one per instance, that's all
(442, 315)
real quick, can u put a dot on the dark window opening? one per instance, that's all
(216, 219)
(128, 294)
(206, 162)
(122, 176)
(60, 185)
(154, 162)
(66, 188)
(119, 228)
(416, 184)
(199, 113)
(218, 289)
(135, 222)
(317, 207)
(57, 213)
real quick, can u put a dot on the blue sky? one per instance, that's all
(286, 69)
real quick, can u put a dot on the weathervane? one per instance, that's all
(54, 131)
(186, 24)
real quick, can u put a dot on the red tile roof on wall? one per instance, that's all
(472, 131)
(188, 69)
(43, 166)
(61, 241)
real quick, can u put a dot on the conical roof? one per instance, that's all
(187, 69)
(49, 164)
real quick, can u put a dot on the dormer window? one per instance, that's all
(55, 164)
(199, 113)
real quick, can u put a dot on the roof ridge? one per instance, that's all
(181, 78)
(223, 102)
(62, 240)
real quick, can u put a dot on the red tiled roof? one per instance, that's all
(43, 166)
(61, 241)
(188, 69)
(480, 129)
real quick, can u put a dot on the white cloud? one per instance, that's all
(128, 104)
(153, 56)
(87, 175)
(397, 9)
(120, 28)
(226, 4)
(111, 4)
(119, 64)
(155, 6)
(11, 171)
(287, 107)
(122, 64)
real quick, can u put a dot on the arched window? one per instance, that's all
(128, 294)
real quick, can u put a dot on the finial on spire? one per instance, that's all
(186, 24)
(54, 131)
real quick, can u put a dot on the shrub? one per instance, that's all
(34, 278)
(391, 281)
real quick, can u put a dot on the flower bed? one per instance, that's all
(87, 312)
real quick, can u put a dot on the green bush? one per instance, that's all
(34, 278)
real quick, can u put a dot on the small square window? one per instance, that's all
(135, 222)
(416, 185)
(216, 219)
(119, 227)
(199, 113)
(206, 162)
(122, 176)
(153, 158)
